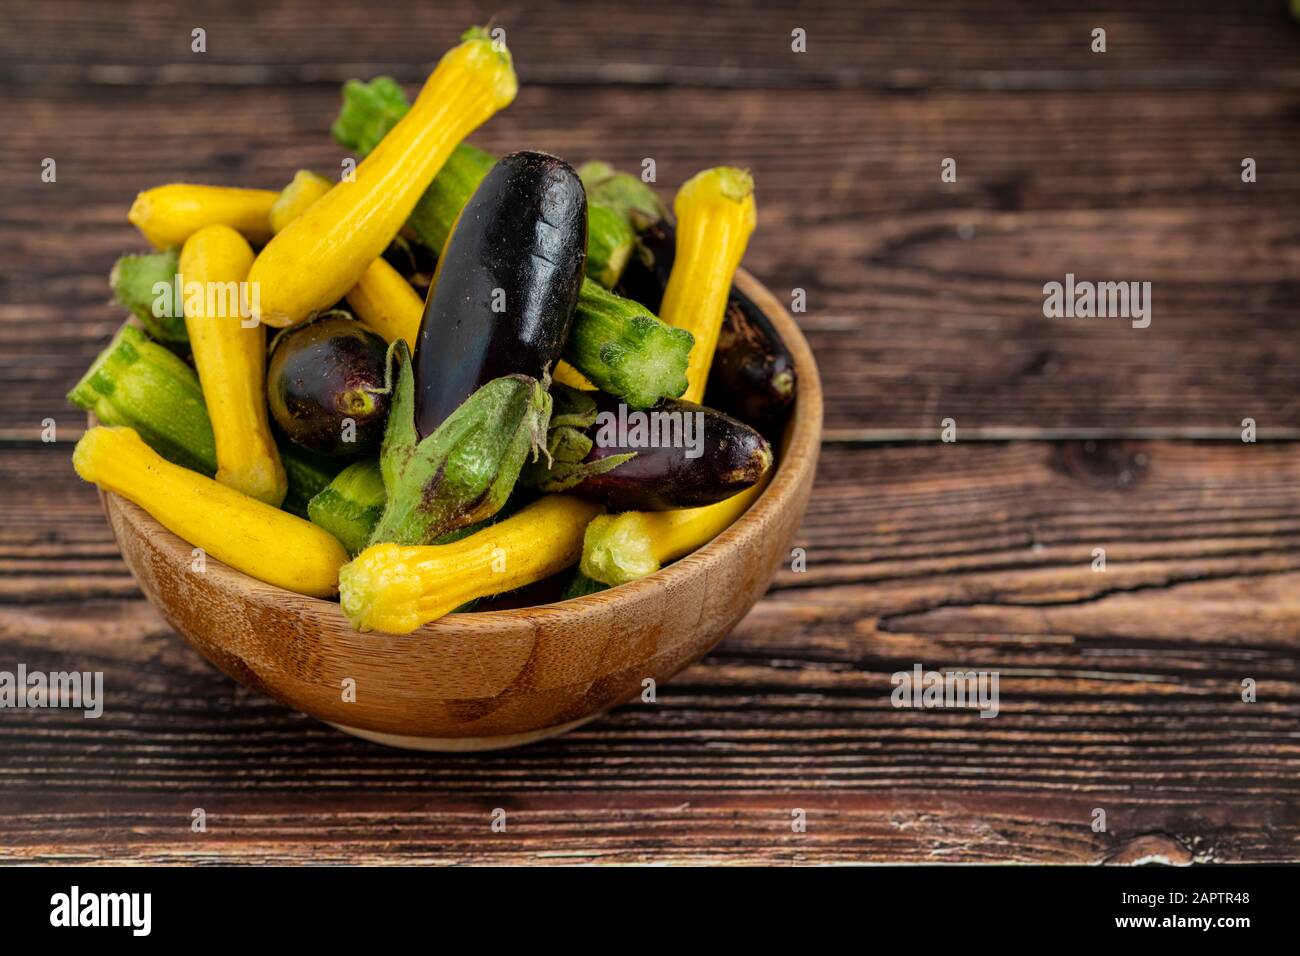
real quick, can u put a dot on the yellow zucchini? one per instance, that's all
(396, 588)
(623, 547)
(168, 215)
(322, 254)
(715, 216)
(250, 536)
(386, 302)
(295, 199)
(231, 361)
(382, 298)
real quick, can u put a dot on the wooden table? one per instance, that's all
(1120, 690)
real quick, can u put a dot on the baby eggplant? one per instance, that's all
(674, 455)
(506, 284)
(325, 386)
(753, 376)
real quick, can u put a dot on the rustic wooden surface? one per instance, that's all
(1120, 690)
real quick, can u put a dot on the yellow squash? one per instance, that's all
(297, 197)
(715, 216)
(231, 360)
(322, 254)
(250, 536)
(386, 302)
(382, 298)
(168, 215)
(396, 588)
(623, 547)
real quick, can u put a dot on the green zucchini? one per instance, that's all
(610, 240)
(138, 383)
(349, 506)
(433, 216)
(625, 350)
(622, 192)
(133, 280)
(308, 475)
(580, 586)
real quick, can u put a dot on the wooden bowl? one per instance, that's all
(493, 679)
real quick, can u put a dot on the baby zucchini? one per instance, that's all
(319, 256)
(395, 588)
(230, 355)
(245, 533)
(168, 215)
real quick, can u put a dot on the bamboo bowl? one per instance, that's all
(493, 679)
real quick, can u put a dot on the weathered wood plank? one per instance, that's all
(895, 45)
(924, 299)
(1119, 689)
(842, 827)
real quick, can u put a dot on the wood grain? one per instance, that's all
(1119, 690)
(894, 45)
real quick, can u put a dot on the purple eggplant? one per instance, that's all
(325, 386)
(674, 455)
(753, 375)
(506, 285)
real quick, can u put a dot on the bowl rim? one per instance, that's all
(801, 441)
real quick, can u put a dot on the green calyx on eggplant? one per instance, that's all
(674, 455)
(506, 285)
(327, 388)
(464, 471)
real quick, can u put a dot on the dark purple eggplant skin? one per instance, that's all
(322, 372)
(753, 373)
(524, 232)
(753, 376)
(734, 457)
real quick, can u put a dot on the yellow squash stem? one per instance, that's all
(385, 301)
(168, 215)
(297, 197)
(397, 588)
(715, 216)
(623, 547)
(319, 256)
(231, 361)
(250, 536)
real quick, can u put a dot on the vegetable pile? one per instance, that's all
(446, 376)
